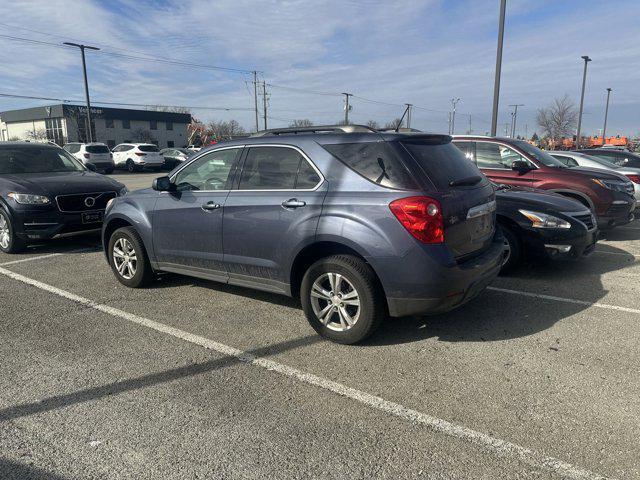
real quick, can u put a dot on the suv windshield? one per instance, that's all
(539, 155)
(148, 148)
(97, 149)
(444, 164)
(17, 160)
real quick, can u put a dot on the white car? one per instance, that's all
(137, 156)
(577, 159)
(96, 153)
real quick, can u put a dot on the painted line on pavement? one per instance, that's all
(30, 259)
(565, 300)
(501, 448)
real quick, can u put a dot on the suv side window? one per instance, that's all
(496, 156)
(276, 168)
(568, 161)
(211, 171)
(375, 161)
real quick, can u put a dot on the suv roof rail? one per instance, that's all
(316, 129)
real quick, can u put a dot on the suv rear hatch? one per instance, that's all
(466, 197)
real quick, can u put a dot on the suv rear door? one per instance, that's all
(273, 209)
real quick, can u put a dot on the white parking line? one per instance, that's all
(565, 300)
(30, 259)
(501, 448)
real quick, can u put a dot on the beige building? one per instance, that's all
(67, 123)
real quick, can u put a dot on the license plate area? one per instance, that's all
(92, 217)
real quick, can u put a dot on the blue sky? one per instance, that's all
(420, 52)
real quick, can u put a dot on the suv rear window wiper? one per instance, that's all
(464, 182)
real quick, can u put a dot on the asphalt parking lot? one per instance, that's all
(537, 378)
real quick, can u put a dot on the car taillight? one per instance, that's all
(421, 216)
(140, 154)
(634, 178)
(86, 155)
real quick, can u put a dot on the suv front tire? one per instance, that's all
(341, 299)
(128, 258)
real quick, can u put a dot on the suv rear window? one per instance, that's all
(443, 162)
(148, 148)
(97, 149)
(375, 161)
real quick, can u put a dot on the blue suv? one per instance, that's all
(359, 224)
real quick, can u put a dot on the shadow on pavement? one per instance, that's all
(12, 470)
(95, 393)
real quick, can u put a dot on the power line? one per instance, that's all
(301, 90)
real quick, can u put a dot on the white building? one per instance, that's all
(64, 123)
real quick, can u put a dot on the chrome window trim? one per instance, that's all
(515, 149)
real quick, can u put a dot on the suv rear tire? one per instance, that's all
(9, 241)
(131, 167)
(341, 299)
(128, 258)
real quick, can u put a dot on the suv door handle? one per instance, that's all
(207, 207)
(293, 203)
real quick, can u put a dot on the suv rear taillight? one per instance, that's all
(421, 216)
(140, 154)
(634, 178)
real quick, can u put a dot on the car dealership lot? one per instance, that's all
(101, 381)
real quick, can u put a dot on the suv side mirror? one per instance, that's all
(162, 184)
(91, 166)
(521, 167)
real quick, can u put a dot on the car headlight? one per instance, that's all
(543, 220)
(29, 199)
(615, 185)
(123, 191)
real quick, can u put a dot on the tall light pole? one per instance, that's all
(347, 107)
(255, 97)
(515, 116)
(496, 85)
(584, 81)
(86, 83)
(606, 113)
(408, 105)
(454, 102)
(264, 103)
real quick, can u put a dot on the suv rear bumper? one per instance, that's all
(455, 284)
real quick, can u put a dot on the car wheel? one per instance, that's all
(9, 241)
(513, 250)
(131, 167)
(341, 299)
(128, 258)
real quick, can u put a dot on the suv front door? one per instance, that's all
(187, 222)
(272, 212)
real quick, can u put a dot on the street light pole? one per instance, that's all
(346, 107)
(584, 80)
(454, 102)
(496, 85)
(515, 117)
(408, 105)
(606, 113)
(86, 83)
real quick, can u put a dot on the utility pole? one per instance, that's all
(86, 83)
(470, 129)
(454, 102)
(606, 113)
(255, 97)
(408, 105)
(506, 129)
(515, 116)
(584, 80)
(526, 131)
(496, 85)
(347, 107)
(264, 102)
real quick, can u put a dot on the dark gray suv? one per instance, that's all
(359, 224)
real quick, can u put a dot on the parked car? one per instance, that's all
(356, 223)
(619, 157)
(96, 153)
(540, 224)
(577, 159)
(136, 157)
(46, 193)
(174, 156)
(518, 163)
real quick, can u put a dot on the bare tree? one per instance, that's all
(394, 124)
(302, 122)
(373, 124)
(37, 134)
(558, 120)
(197, 133)
(143, 135)
(225, 130)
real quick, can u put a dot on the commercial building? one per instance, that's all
(65, 123)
